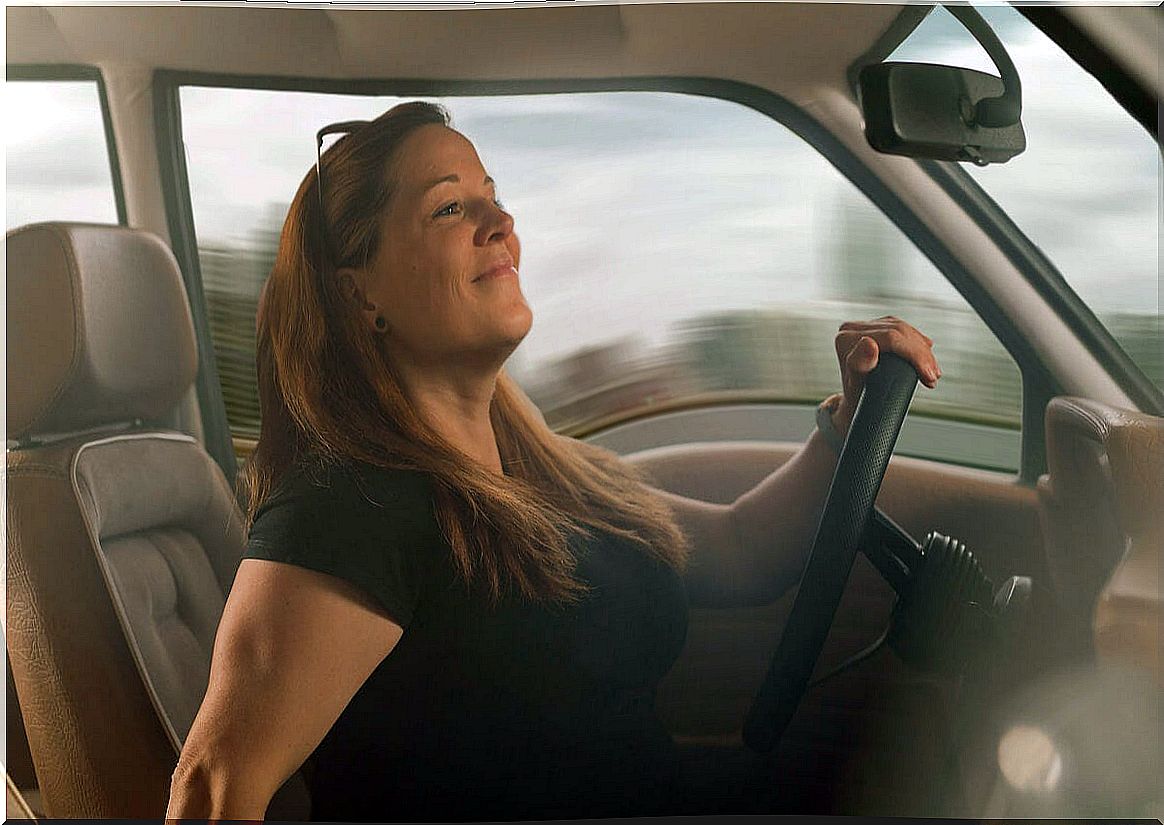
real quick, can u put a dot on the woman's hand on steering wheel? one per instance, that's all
(859, 345)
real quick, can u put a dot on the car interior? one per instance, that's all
(1037, 697)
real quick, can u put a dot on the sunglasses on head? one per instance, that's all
(344, 127)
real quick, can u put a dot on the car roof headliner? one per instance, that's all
(785, 47)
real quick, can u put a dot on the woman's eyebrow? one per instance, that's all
(452, 179)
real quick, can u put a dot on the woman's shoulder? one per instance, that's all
(371, 526)
(347, 498)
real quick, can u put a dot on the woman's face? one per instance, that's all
(445, 277)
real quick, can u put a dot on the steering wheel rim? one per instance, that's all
(860, 469)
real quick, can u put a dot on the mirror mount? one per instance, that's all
(992, 112)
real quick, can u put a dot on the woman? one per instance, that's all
(454, 612)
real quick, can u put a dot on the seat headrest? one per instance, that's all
(99, 330)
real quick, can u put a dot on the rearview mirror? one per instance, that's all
(923, 110)
(929, 111)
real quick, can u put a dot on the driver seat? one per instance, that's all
(123, 535)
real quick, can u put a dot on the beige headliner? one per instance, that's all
(782, 46)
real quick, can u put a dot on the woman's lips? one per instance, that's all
(499, 271)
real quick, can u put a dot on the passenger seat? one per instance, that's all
(1102, 509)
(123, 536)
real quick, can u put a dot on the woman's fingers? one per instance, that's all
(896, 336)
(889, 334)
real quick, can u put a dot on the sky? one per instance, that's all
(638, 210)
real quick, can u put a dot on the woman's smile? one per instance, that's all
(502, 270)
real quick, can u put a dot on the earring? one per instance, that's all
(381, 324)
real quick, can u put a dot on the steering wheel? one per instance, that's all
(860, 469)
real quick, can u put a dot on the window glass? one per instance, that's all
(676, 248)
(56, 154)
(1087, 188)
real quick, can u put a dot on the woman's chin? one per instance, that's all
(505, 327)
(505, 336)
(520, 321)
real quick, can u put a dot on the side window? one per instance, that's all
(1087, 188)
(58, 160)
(677, 250)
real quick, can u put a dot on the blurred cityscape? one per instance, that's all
(774, 353)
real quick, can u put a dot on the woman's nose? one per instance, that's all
(495, 223)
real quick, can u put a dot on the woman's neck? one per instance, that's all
(457, 407)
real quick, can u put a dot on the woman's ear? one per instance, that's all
(346, 277)
(352, 289)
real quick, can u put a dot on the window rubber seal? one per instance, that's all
(184, 244)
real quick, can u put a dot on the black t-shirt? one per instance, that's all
(513, 711)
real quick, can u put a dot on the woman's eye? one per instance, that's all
(454, 208)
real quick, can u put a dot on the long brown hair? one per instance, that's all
(328, 393)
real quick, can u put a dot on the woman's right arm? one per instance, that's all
(292, 649)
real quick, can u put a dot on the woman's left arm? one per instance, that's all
(750, 552)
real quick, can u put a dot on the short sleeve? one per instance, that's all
(374, 530)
